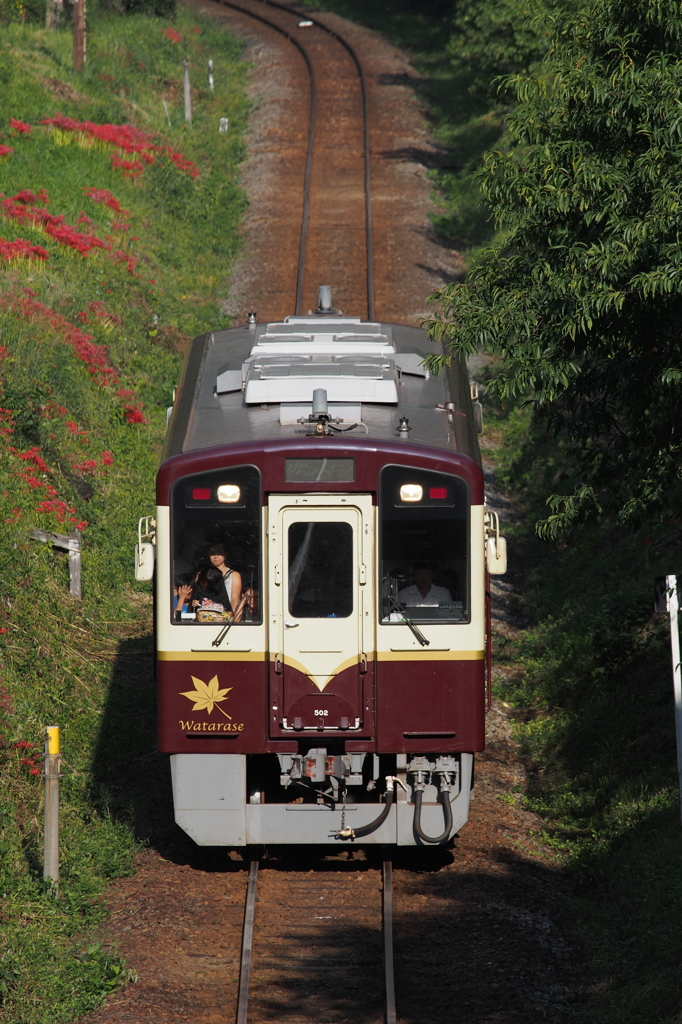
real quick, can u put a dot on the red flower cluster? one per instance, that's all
(64, 513)
(182, 164)
(31, 455)
(30, 761)
(131, 168)
(128, 139)
(131, 412)
(93, 355)
(102, 195)
(171, 34)
(21, 249)
(5, 150)
(18, 208)
(119, 256)
(20, 126)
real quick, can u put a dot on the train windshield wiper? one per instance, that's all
(409, 623)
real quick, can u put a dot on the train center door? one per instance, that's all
(320, 623)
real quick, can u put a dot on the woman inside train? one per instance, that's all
(232, 581)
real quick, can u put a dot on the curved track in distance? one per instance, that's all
(335, 243)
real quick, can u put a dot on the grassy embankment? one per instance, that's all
(590, 674)
(116, 248)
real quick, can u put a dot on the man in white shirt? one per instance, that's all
(422, 593)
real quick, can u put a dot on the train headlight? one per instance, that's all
(411, 492)
(229, 493)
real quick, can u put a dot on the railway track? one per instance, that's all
(334, 241)
(316, 946)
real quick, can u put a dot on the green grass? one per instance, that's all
(81, 424)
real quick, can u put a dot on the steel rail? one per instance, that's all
(365, 115)
(369, 245)
(247, 945)
(389, 974)
(311, 136)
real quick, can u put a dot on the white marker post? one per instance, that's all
(51, 849)
(667, 599)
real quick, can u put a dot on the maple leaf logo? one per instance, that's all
(207, 694)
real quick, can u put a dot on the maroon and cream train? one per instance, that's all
(345, 699)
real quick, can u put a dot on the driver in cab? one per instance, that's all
(423, 593)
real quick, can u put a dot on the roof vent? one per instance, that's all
(324, 301)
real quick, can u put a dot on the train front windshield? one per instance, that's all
(424, 546)
(216, 556)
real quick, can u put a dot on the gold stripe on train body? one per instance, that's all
(321, 681)
(401, 654)
(212, 655)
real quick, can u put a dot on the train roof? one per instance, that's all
(256, 382)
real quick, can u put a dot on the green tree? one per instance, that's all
(583, 298)
(494, 38)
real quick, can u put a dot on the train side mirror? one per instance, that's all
(144, 562)
(495, 545)
(144, 549)
(496, 555)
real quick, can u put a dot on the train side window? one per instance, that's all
(216, 525)
(320, 570)
(424, 545)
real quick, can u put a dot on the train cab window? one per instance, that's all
(216, 547)
(424, 544)
(320, 570)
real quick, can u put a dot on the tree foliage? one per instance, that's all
(494, 38)
(583, 299)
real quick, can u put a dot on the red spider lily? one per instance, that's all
(5, 150)
(107, 459)
(131, 168)
(102, 195)
(31, 455)
(20, 126)
(17, 208)
(21, 249)
(133, 415)
(15, 517)
(27, 196)
(171, 34)
(131, 262)
(23, 745)
(89, 466)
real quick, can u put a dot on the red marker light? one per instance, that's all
(438, 492)
(201, 494)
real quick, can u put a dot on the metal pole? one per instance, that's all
(188, 94)
(211, 83)
(51, 852)
(673, 609)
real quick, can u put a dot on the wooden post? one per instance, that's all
(72, 544)
(51, 847)
(78, 34)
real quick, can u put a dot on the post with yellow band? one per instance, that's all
(51, 853)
